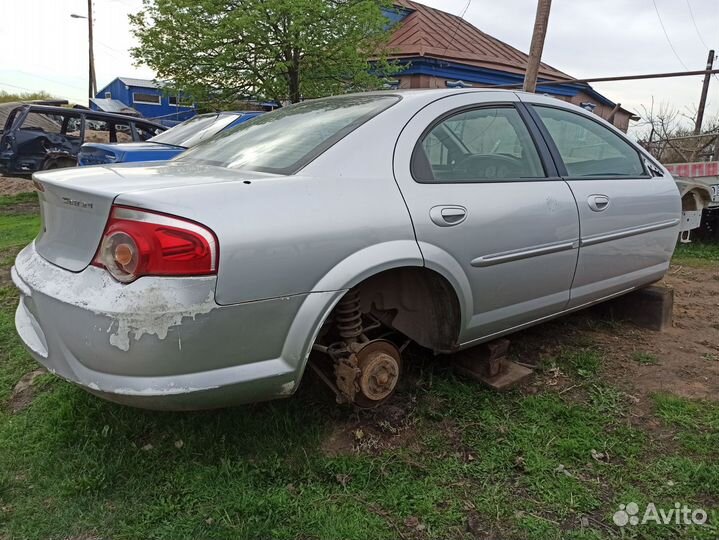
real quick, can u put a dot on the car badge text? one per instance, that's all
(73, 202)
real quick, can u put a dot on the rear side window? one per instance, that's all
(285, 140)
(487, 144)
(48, 123)
(589, 148)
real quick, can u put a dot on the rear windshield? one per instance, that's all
(285, 140)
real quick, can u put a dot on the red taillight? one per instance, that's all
(141, 243)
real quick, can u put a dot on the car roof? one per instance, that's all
(409, 95)
(426, 95)
(64, 110)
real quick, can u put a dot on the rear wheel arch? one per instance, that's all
(382, 263)
(416, 301)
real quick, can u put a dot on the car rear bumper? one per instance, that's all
(160, 343)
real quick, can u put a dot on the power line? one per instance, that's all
(34, 91)
(666, 34)
(699, 34)
(123, 2)
(55, 81)
(116, 53)
(16, 87)
(613, 78)
(694, 22)
(456, 26)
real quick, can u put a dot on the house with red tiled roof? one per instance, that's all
(440, 50)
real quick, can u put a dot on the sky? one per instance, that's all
(45, 49)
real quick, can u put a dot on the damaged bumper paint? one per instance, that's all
(161, 343)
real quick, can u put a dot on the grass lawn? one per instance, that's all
(697, 254)
(448, 460)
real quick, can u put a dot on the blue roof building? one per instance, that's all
(147, 98)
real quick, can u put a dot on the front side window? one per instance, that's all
(589, 148)
(97, 131)
(486, 144)
(284, 140)
(101, 130)
(146, 131)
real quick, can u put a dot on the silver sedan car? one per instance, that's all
(344, 226)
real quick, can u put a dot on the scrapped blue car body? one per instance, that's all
(167, 145)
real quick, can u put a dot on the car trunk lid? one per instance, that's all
(73, 218)
(75, 203)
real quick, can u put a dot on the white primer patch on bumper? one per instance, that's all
(156, 318)
(148, 306)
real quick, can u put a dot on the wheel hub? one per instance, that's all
(379, 363)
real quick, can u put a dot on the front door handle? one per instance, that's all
(598, 203)
(447, 215)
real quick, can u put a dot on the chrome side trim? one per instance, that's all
(624, 233)
(523, 253)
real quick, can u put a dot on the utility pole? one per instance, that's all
(91, 81)
(92, 85)
(535, 49)
(703, 98)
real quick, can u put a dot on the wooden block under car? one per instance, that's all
(650, 307)
(488, 364)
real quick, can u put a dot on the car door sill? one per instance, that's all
(512, 329)
(624, 233)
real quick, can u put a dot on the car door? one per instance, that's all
(487, 204)
(629, 210)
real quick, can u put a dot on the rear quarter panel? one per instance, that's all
(281, 236)
(339, 220)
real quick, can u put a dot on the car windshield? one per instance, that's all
(192, 131)
(285, 140)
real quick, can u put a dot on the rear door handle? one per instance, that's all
(447, 215)
(598, 203)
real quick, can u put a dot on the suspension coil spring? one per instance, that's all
(349, 316)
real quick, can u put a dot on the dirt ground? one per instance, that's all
(687, 354)
(682, 360)
(12, 186)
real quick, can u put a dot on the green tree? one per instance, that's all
(7, 97)
(218, 50)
